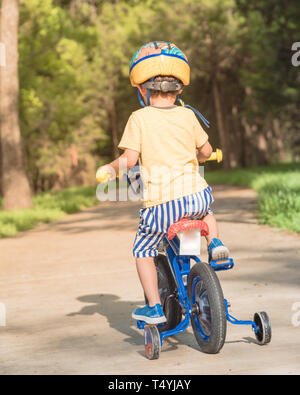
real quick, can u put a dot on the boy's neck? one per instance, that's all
(162, 101)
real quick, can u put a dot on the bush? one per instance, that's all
(278, 188)
(47, 207)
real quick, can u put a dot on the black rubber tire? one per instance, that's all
(204, 286)
(152, 342)
(264, 333)
(168, 294)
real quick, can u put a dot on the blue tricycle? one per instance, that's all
(190, 291)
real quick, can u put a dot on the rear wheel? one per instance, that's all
(168, 294)
(209, 314)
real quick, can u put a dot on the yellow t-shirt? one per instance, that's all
(166, 139)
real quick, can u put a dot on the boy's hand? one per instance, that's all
(105, 173)
(204, 152)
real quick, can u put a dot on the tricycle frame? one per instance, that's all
(180, 266)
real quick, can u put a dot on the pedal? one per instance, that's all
(141, 324)
(222, 264)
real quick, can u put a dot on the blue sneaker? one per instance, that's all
(217, 250)
(151, 315)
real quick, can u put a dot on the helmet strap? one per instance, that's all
(204, 120)
(142, 103)
(141, 99)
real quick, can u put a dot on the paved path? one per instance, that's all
(69, 289)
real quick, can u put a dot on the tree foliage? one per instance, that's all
(75, 95)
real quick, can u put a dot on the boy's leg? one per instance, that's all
(212, 226)
(148, 277)
(216, 249)
(153, 312)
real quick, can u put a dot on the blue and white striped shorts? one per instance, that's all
(155, 221)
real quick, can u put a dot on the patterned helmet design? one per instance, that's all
(159, 58)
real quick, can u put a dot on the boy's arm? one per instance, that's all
(125, 161)
(204, 152)
(128, 159)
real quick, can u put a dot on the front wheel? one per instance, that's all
(208, 307)
(168, 294)
(152, 342)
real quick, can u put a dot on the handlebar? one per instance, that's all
(217, 155)
(103, 176)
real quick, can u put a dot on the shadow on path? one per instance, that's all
(118, 314)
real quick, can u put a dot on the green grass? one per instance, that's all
(47, 207)
(278, 189)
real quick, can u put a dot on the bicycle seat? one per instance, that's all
(186, 224)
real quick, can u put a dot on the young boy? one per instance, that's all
(169, 142)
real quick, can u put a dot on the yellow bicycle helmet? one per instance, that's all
(159, 58)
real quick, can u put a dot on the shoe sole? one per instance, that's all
(148, 320)
(220, 252)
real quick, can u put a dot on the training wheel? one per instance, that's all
(152, 342)
(263, 326)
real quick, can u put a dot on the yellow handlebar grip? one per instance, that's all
(213, 156)
(217, 155)
(102, 175)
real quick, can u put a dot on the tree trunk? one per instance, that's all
(236, 138)
(221, 125)
(246, 144)
(262, 151)
(279, 140)
(15, 185)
